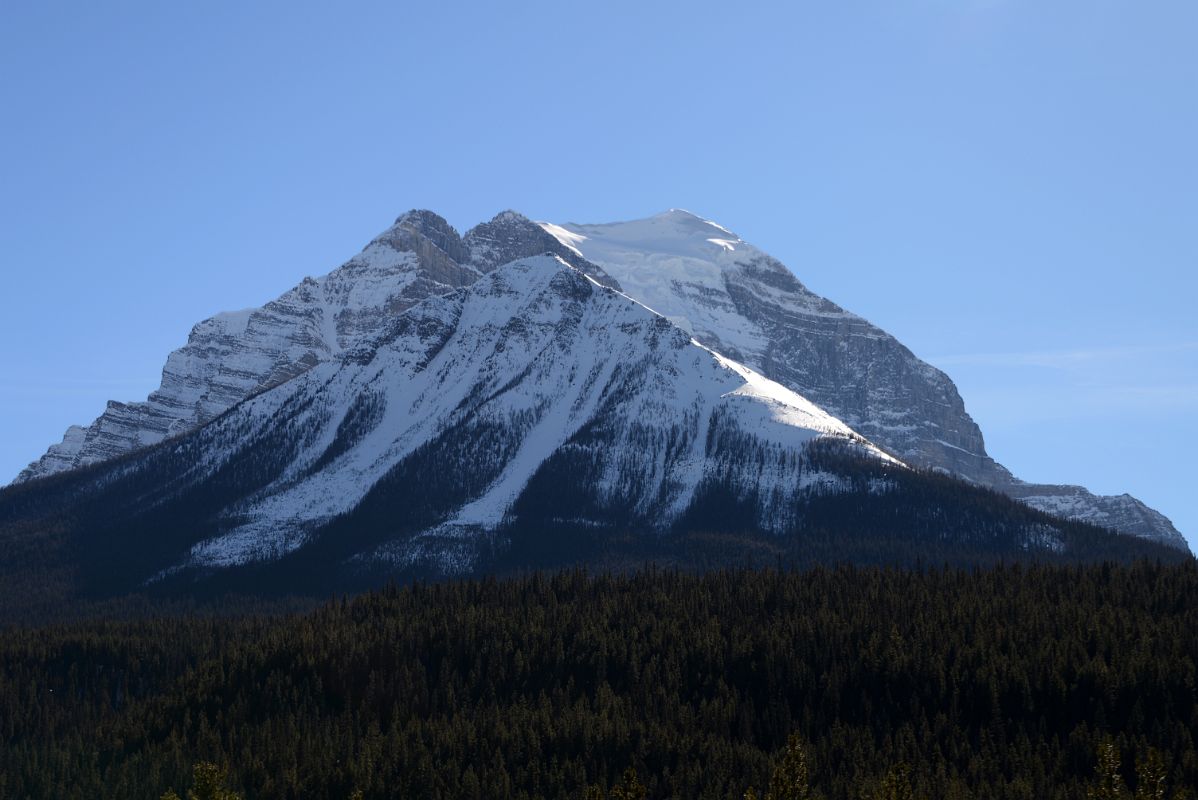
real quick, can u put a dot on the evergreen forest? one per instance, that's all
(1060, 682)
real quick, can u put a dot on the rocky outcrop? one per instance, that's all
(511, 235)
(1119, 512)
(233, 356)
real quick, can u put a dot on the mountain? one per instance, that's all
(740, 301)
(731, 297)
(533, 418)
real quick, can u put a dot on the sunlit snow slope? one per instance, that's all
(461, 402)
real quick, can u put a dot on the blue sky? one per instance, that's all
(1008, 186)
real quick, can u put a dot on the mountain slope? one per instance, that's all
(730, 296)
(740, 301)
(512, 369)
(533, 418)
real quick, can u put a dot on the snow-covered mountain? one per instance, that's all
(727, 295)
(528, 416)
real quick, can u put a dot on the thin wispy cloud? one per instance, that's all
(1093, 383)
(1064, 359)
(1168, 396)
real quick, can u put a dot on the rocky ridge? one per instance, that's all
(232, 356)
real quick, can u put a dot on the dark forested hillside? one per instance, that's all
(1006, 682)
(72, 540)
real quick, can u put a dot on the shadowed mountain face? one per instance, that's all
(728, 295)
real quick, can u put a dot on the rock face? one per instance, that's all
(739, 301)
(234, 355)
(1119, 512)
(728, 295)
(510, 236)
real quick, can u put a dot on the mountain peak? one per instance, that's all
(427, 227)
(510, 216)
(421, 218)
(694, 224)
(678, 214)
(510, 235)
(674, 233)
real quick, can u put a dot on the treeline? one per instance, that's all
(98, 534)
(1008, 682)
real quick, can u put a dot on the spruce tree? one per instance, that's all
(1151, 776)
(1107, 784)
(628, 789)
(791, 779)
(896, 785)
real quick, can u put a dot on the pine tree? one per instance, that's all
(1151, 776)
(628, 789)
(208, 783)
(1108, 784)
(896, 785)
(791, 779)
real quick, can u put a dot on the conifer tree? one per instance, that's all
(1151, 776)
(791, 779)
(208, 783)
(896, 785)
(629, 788)
(1108, 784)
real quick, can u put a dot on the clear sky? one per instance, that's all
(1008, 186)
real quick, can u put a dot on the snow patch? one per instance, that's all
(568, 239)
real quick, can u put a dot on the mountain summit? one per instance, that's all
(738, 304)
